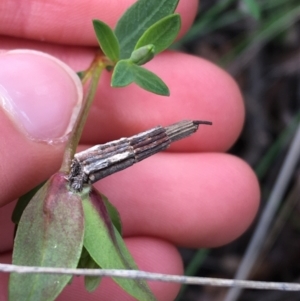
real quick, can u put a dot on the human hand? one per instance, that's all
(193, 195)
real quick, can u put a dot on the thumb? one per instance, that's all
(40, 99)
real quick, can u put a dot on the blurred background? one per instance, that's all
(258, 43)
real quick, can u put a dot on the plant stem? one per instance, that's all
(93, 74)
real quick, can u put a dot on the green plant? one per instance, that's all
(59, 227)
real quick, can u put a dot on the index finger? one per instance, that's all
(70, 23)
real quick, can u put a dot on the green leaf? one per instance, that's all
(107, 40)
(142, 55)
(87, 262)
(137, 19)
(107, 248)
(23, 202)
(126, 72)
(161, 34)
(149, 81)
(122, 74)
(50, 234)
(113, 213)
(253, 8)
(92, 282)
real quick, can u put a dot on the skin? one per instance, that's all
(193, 195)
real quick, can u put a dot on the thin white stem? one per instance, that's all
(268, 214)
(283, 286)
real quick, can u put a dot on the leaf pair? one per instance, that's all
(60, 228)
(149, 25)
(127, 72)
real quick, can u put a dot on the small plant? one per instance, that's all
(58, 226)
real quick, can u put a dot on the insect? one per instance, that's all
(102, 160)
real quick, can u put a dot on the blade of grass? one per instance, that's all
(242, 54)
(204, 22)
(192, 268)
(284, 216)
(265, 220)
(200, 29)
(284, 138)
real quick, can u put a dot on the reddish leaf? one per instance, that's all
(50, 234)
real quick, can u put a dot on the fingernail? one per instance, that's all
(41, 94)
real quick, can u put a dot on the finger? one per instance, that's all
(63, 23)
(199, 90)
(193, 200)
(78, 58)
(150, 254)
(40, 98)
